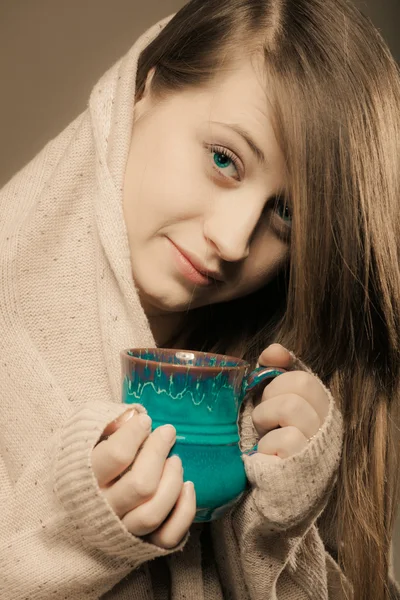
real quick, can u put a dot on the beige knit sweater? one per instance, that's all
(68, 305)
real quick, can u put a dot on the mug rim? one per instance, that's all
(241, 364)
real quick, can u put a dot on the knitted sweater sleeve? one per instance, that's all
(59, 538)
(273, 540)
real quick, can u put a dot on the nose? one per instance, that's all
(231, 230)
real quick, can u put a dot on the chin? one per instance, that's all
(170, 301)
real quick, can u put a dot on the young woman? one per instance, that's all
(234, 187)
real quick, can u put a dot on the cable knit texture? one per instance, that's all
(68, 305)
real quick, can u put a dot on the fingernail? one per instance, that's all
(145, 421)
(168, 433)
(188, 488)
(128, 414)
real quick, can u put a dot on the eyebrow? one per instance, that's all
(258, 153)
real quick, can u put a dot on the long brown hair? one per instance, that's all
(335, 93)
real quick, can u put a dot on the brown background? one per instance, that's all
(52, 52)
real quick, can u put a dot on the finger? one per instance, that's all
(154, 453)
(275, 356)
(286, 410)
(116, 424)
(178, 523)
(302, 384)
(282, 442)
(112, 456)
(148, 517)
(140, 483)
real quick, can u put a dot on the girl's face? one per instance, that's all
(204, 194)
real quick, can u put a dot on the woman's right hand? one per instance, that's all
(150, 498)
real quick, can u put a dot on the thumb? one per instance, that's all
(275, 356)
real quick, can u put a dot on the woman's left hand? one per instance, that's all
(292, 409)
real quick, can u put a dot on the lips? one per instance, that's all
(191, 268)
(199, 266)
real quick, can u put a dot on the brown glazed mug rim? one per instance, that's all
(241, 364)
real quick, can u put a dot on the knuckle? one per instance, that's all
(142, 486)
(289, 435)
(290, 404)
(172, 537)
(303, 381)
(149, 520)
(168, 541)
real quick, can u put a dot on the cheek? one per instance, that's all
(164, 178)
(265, 259)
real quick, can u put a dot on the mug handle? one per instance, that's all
(259, 376)
(258, 379)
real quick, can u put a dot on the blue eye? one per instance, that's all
(283, 211)
(222, 160)
(225, 162)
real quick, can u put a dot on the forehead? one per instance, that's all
(237, 94)
(237, 97)
(240, 88)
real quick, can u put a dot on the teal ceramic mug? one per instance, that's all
(200, 394)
